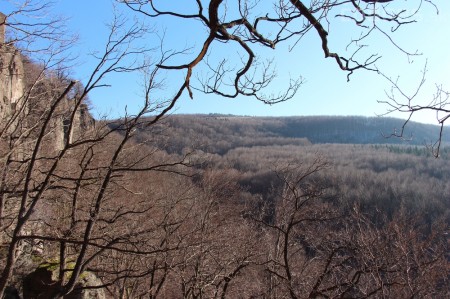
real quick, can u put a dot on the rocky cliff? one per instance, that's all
(25, 96)
(31, 106)
(11, 75)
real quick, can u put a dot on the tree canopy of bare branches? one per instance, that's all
(254, 25)
(101, 201)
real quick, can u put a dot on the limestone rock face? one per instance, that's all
(11, 79)
(89, 279)
(2, 27)
(20, 103)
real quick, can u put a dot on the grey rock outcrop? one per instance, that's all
(19, 102)
(11, 75)
(2, 27)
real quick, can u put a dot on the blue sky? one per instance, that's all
(325, 91)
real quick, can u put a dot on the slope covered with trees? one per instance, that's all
(220, 133)
(384, 175)
(157, 206)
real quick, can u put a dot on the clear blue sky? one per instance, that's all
(326, 90)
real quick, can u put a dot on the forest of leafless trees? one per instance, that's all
(145, 206)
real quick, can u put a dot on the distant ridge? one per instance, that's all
(358, 130)
(217, 133)
(324, 129)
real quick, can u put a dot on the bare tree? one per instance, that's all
(410, 103)
(293, 223)
(255, 25)
(224, 245)
(312, 249)
(53, 165)
(76, 191)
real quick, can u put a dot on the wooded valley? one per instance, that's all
(159, 205)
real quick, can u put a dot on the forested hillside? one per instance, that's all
(153, 205)
(376, 172)
(388, 186)
(220, 133)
